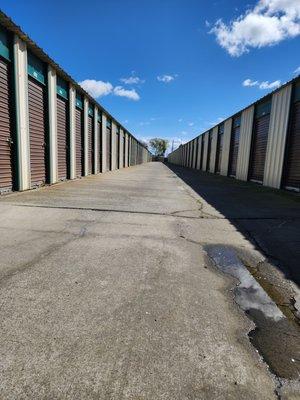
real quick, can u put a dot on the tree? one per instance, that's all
(159, 146)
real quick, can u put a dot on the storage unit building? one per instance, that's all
(6, 123)
(260, 143)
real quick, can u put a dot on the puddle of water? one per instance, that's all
(248, 294)
(276, 339)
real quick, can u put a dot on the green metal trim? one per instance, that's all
(36, 68)
(79, 102)
(91, 111)
(99, 118)
(263, 109)
(108, 123)
(62, 88)
(5, 48)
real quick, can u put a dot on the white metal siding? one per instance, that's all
(277, 137)
(213, 150)
(245, 144)
(226, 147)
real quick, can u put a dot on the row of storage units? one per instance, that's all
(50, 128)
(260, 143)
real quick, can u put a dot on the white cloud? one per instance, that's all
(269, 85)
(166, 78)
(96, 88)
(262, 85)
(132, 80)
(191, 123)
(297, 71)
(180, 120)
(129, 93)
(250, 82)
(266, 24)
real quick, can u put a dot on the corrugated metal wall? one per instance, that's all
(226, 147)
(277, 137)
(245, 144)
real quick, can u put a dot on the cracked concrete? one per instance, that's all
(107, 293)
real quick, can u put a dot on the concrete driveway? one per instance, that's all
(108, 292)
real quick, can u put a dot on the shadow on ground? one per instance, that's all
(269, 218)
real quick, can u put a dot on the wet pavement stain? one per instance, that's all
(275, 337)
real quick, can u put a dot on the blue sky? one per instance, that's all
(168, 68)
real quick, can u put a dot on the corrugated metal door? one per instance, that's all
(117, 149)
(90, 143)
(6, 142)
(291, 177)
(79, 136)
(62, 132)
(202, 151)
(79, 147)
(259, 142)
(208, 150)
(234, 146)
(99, 132)
(108, 146)
(37, 131)
(123, 139)
(219, 148)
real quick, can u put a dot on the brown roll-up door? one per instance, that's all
(292, 165)
(62, 135)
(259, 148)
(108, 149)
(79, 141)
(99, 130)
(202, 151)
(6, 175)
(117, 150)
(234, 149)
(208, 151)
(124, 142)
(90, 144)
(37, 131)
(219, 149)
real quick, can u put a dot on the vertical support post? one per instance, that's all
(52, 128)
(85, 137)
(22, 122)
(72, 124)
